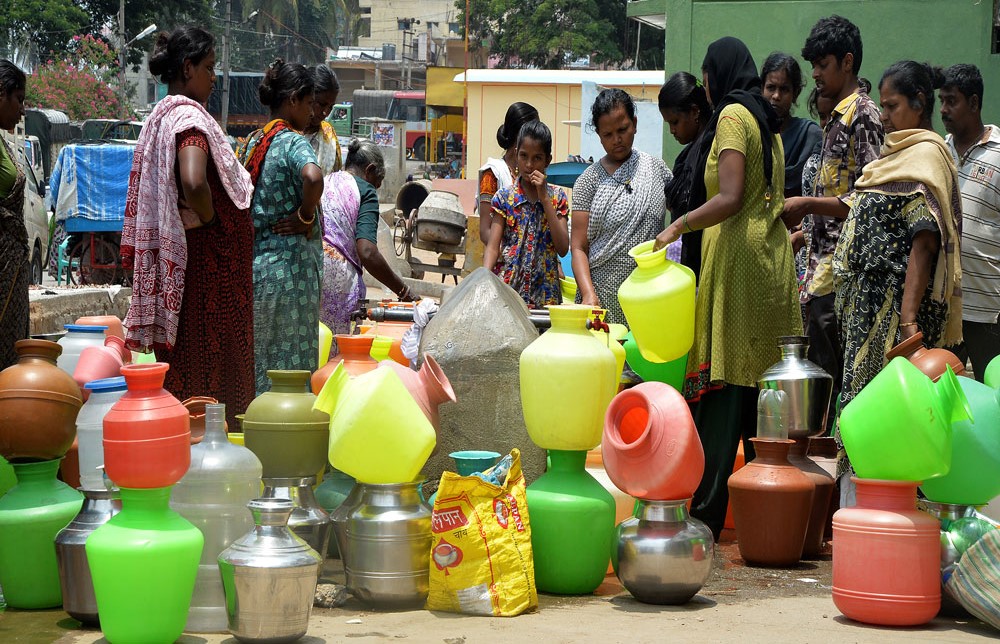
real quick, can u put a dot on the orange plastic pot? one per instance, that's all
(355, 351)
(886, 556)
(650, 446)
(147, 433)
(113, 323)
(196, 409)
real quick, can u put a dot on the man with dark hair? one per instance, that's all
(851, 139)
(976, 150)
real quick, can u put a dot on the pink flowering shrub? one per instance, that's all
(83, 85)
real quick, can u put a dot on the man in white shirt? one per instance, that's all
(976, 150)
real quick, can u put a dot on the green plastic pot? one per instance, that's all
(992, 374)
(144, 561)
(31, 514)
(671, 373)
(572, 526)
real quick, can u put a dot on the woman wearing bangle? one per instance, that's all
(188, 236)
(287, 249)
(350, 236)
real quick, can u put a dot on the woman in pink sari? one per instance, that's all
(350, 236)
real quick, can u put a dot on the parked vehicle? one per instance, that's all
(36, 218)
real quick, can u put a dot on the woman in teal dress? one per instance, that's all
(288, 251)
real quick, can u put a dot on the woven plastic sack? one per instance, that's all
(480, 560)
(975, 582)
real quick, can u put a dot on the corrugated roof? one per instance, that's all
(562, 77)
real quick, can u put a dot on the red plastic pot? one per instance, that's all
(100, 362)
(147, 433)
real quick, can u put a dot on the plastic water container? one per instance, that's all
(78, 337)
(213, 496)
(90, 429)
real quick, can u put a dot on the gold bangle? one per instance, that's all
(902, 324)
(298, 213)
(684, 222)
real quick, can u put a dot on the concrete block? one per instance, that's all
(52, 307)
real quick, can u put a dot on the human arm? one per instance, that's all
(796, 208)
(373, 262)
(488, 187)
(492, 253)
(926, 244)
(580, 249)
(732, 171)
(196, 196)
(555, 213)
(303, 221)
(797, 239)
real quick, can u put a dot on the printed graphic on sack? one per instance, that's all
(481, 561)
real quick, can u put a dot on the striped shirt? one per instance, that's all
(979, 181)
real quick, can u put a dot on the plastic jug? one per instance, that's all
(78, 337)
(658, 301)
(97, 362)
(90, 429)
(886, 556)
(325, 342)
(899, 426)
(378, 433)
(213, 496)
(567, 382)
(974, 477)
(610, 337)
(651, 448)
(671, 373)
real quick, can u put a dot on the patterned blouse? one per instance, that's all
(527, 261)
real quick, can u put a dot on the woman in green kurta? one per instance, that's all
(288, 263)
(13, 235)
(747, 294)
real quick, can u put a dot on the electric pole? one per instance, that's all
(226, 44)
(121, 57)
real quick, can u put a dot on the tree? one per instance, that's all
(553, 33)
(31, 28)
(79, 84)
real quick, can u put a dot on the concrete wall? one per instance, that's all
(384, 15)
(943, 32)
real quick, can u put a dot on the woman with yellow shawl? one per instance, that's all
(897, 265)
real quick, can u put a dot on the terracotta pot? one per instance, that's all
(823, 452)
(100, 362)
(931, 361)
(38, 404)
(69, 467)
(772, 502)
(113, 323)
(429, 386)
(355, 351)
(196, 408)
(147, 435)
(825, 485)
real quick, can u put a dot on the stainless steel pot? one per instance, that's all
(384, 532)
(663, 555)
(308, 519)
(269, 576)
(74, 571)
(806, 386)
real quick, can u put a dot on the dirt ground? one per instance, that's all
(739, 603)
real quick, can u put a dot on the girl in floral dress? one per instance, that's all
(529, 230)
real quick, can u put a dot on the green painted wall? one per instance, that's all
(943, 32)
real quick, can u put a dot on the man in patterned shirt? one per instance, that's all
(851, 139)
(976, 150)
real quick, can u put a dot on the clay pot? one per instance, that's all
(772, 502)
(38, 404)
(429, 386)
(355, 351)
(100, 362)
(825, 485)
(196, 409)
(147, 435)
(113, 323)
(931, 361)
(69, 466)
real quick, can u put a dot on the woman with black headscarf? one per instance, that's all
(746, 292)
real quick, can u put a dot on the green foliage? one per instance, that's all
(79, 83)
(41, 25)
(552, 33)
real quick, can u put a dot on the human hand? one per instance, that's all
(908, 331)
(538, 180)
(590, 299)
(795, 209)
(798, 239)
(293, 225)
(669, 235)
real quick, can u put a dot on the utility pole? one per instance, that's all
(121, 56)
(226, 44)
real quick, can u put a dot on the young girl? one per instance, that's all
(529, 223)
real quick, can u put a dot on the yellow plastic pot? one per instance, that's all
(610, 339)
(899, 426)
(378, 433)
(325, 343)
(658, 301)
(567, 382)
(568, 287)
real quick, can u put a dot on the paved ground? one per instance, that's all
(738, 603)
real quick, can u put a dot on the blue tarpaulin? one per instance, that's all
(89, 181)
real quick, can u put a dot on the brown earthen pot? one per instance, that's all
(825, 486)
(823, 452)
(930, 361)
(772, 502)
(38, 404)
(196, 408)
